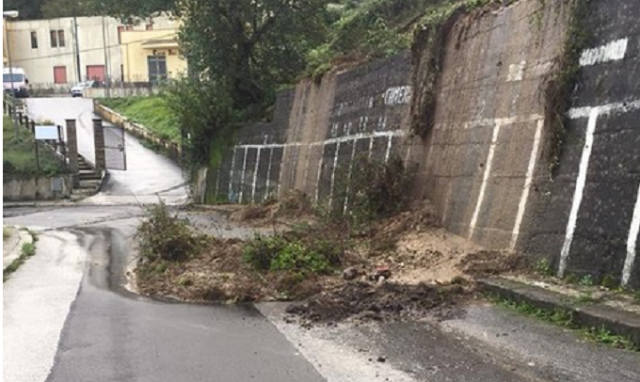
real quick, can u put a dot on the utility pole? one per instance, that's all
(106, 59)
(75, 33)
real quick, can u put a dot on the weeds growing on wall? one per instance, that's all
(428, 48)
(561, 83)
(367, 190)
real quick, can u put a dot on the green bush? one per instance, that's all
(280, 253)
(165, 237)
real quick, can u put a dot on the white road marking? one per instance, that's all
(632, 242)
(37, 300)
(579, 191)
(527, 185)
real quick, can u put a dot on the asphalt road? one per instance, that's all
(69, 316)
(149, 176)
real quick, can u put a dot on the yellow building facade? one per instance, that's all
(151, 55)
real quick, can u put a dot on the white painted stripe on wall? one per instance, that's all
(267, 192)
(585, 112)
(485, 178)
(255, 177)
(319, 176)
(579, 191)
(370, 148)
(343, 139)
(632, 242)
(244, 169)
(233, 165)
(388, 153)
(527, 185)
(333, 173)
(486, 122)
(346, 198)
(613, 51)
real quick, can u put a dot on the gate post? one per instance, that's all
(72, 150)
(98, 141)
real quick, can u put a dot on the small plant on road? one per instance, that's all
(163, 236)
(288, 253)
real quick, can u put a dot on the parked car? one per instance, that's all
(17, 79)
(78, 90)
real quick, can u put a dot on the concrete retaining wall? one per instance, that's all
(316, 128)
(484, 162)
(27, 189)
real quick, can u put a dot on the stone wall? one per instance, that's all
(484, 164)
(32, 188)
(317, 128)
(484, 150)
(588, 218)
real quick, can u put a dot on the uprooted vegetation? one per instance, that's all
(379, 259)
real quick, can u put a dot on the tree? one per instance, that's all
(251, 46)
(29, 9)
(132, 9)
(52, 9)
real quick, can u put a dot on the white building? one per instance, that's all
(59, 52)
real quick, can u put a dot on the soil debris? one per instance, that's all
(365, 302)
(294, 206)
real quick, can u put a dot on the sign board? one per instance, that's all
(47, 132)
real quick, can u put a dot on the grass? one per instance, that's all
(27, 251)
(18, 155)
(151, 112)
(564, 318)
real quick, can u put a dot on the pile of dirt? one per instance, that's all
(366, 301)
(220, 275)
(294, 206)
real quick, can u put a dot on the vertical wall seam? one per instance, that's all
(255, 177)
(632, 242)
(242, 174)
(579, 191)
(319, 174)
(527, 185)
(485, 177)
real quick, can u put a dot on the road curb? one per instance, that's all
(596, 315)
(24, 237)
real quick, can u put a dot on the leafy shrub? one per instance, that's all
(164, 236)
(376, 190)
(290, 253)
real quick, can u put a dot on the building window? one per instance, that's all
(61, 38)
(34, 40)
(54, 39)
(57, 38)
(60, 74)
(157, 68)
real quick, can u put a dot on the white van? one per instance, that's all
(18, 77)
